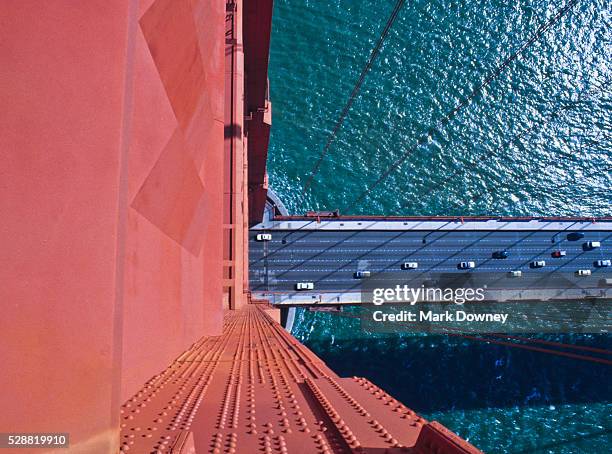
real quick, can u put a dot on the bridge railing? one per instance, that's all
(336, 216)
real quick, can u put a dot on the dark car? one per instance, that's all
(501, 254)
(575, 236)
(558, 254)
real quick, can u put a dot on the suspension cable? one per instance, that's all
(332, 136)
(525, 346)
(541, 30)
(554, 343)
(536, 349)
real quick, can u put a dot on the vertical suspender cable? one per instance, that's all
(353, 95)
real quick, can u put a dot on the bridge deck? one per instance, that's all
(329, 253)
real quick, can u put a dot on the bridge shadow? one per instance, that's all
(437, 373)
(566, 442)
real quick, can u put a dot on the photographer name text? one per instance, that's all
(433, 317)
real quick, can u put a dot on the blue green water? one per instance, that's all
(537, 141)
(503, 400)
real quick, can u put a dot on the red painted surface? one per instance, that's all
(111, 214)
(257, 389)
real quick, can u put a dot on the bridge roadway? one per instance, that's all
(329, 253)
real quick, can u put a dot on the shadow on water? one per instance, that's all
(563, 443)
(436, 373)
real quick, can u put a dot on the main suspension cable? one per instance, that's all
(525, 346)
(536, 349)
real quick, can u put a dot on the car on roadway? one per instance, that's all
(575, 236)
(466, 265)
(537, 264)
(515, 273)
(410, 265)
(361, 274)
(263, 237)
(602, 263)
(500, 254)
(558, 254)
(590, 245)
(583, 273)
(304, 286)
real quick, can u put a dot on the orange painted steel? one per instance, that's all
(235, 182)
(255, 389)
(111, 142)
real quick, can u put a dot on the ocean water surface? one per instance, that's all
(537, 141)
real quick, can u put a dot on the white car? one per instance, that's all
(466, 265)
(537, 264)
(410, 265)
(515, 273)
(263, 237)
(361, 274)
(583, 273)
(304, 286)
(592, 245)
(602, 263)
